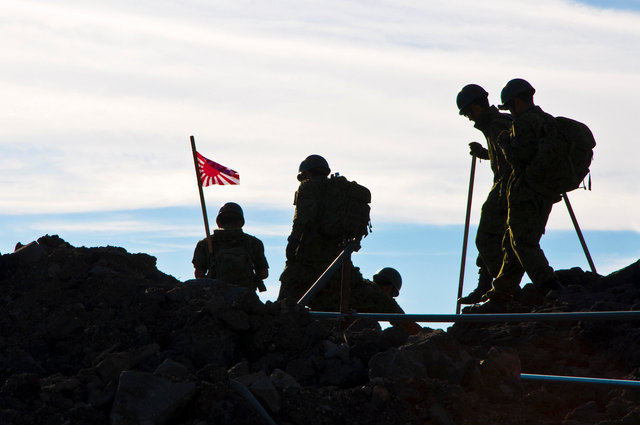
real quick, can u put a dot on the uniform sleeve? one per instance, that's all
(307, 207)
(499, 164)
(522, 143)
(497, 127)
(201, 255)
(395, 307)
(369, 299)
(259, 259)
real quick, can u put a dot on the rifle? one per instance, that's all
(259, 283)
(211, 270)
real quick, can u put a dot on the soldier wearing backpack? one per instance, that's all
(328, 212)
(237, 257)
(528, 209)
(473, 103)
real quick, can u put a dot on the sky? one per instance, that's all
(100, 99)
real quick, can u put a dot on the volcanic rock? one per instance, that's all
(101, 336)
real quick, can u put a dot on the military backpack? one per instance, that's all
(232, 262)
(346, 210)
(563, 158)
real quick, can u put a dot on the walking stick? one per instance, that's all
(345, 288)
(466, 232)
(575, 224)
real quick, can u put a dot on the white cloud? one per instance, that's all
(610, 264)
(104, 98)
(125, 225)
(113, 226)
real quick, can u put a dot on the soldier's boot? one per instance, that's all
(492, 306)
(497, 300)
(484, 285)
(494, 302)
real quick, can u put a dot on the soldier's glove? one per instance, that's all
(477, 150)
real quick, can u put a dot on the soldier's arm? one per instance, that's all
(495, 130)
(519, 145)
(200, 263)
(409, 325)
(305, 215)
(259, 260)
(307, 206)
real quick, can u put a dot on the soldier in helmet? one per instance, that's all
(379, 297)
(230, 254)
(389, 280)
(473, 103)
(528, 209)
(310, 251)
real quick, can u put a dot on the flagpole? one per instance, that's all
(204, 207)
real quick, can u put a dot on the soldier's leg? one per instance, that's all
(484, 284)
(507, 283)
(528, 225)
(285, 277)
(328, 298)
(491, 230)
(294, 282)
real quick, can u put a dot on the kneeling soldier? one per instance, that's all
(378, 297)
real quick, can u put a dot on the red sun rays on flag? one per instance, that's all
(213, 173)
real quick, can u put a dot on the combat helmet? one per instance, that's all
(468, 94)
(228, 211)
(389, 276)
(514, 88)
(314, 162)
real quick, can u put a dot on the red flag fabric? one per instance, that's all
(213, 173)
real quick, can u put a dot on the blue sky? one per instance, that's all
(428, 256)
(632, 5)
(101, 98)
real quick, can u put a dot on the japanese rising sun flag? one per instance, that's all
(213, 173)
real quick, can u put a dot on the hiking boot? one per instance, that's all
(493, 306)
(474, 296)
(484, 284)
(492, 294)
(499, 296)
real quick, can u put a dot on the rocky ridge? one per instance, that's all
(100, 336)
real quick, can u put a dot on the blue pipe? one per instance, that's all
(501, 317)
(580, 380)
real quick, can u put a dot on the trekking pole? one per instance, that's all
(575, 224)
(466, 232)
(324, 278)
(345, 289)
